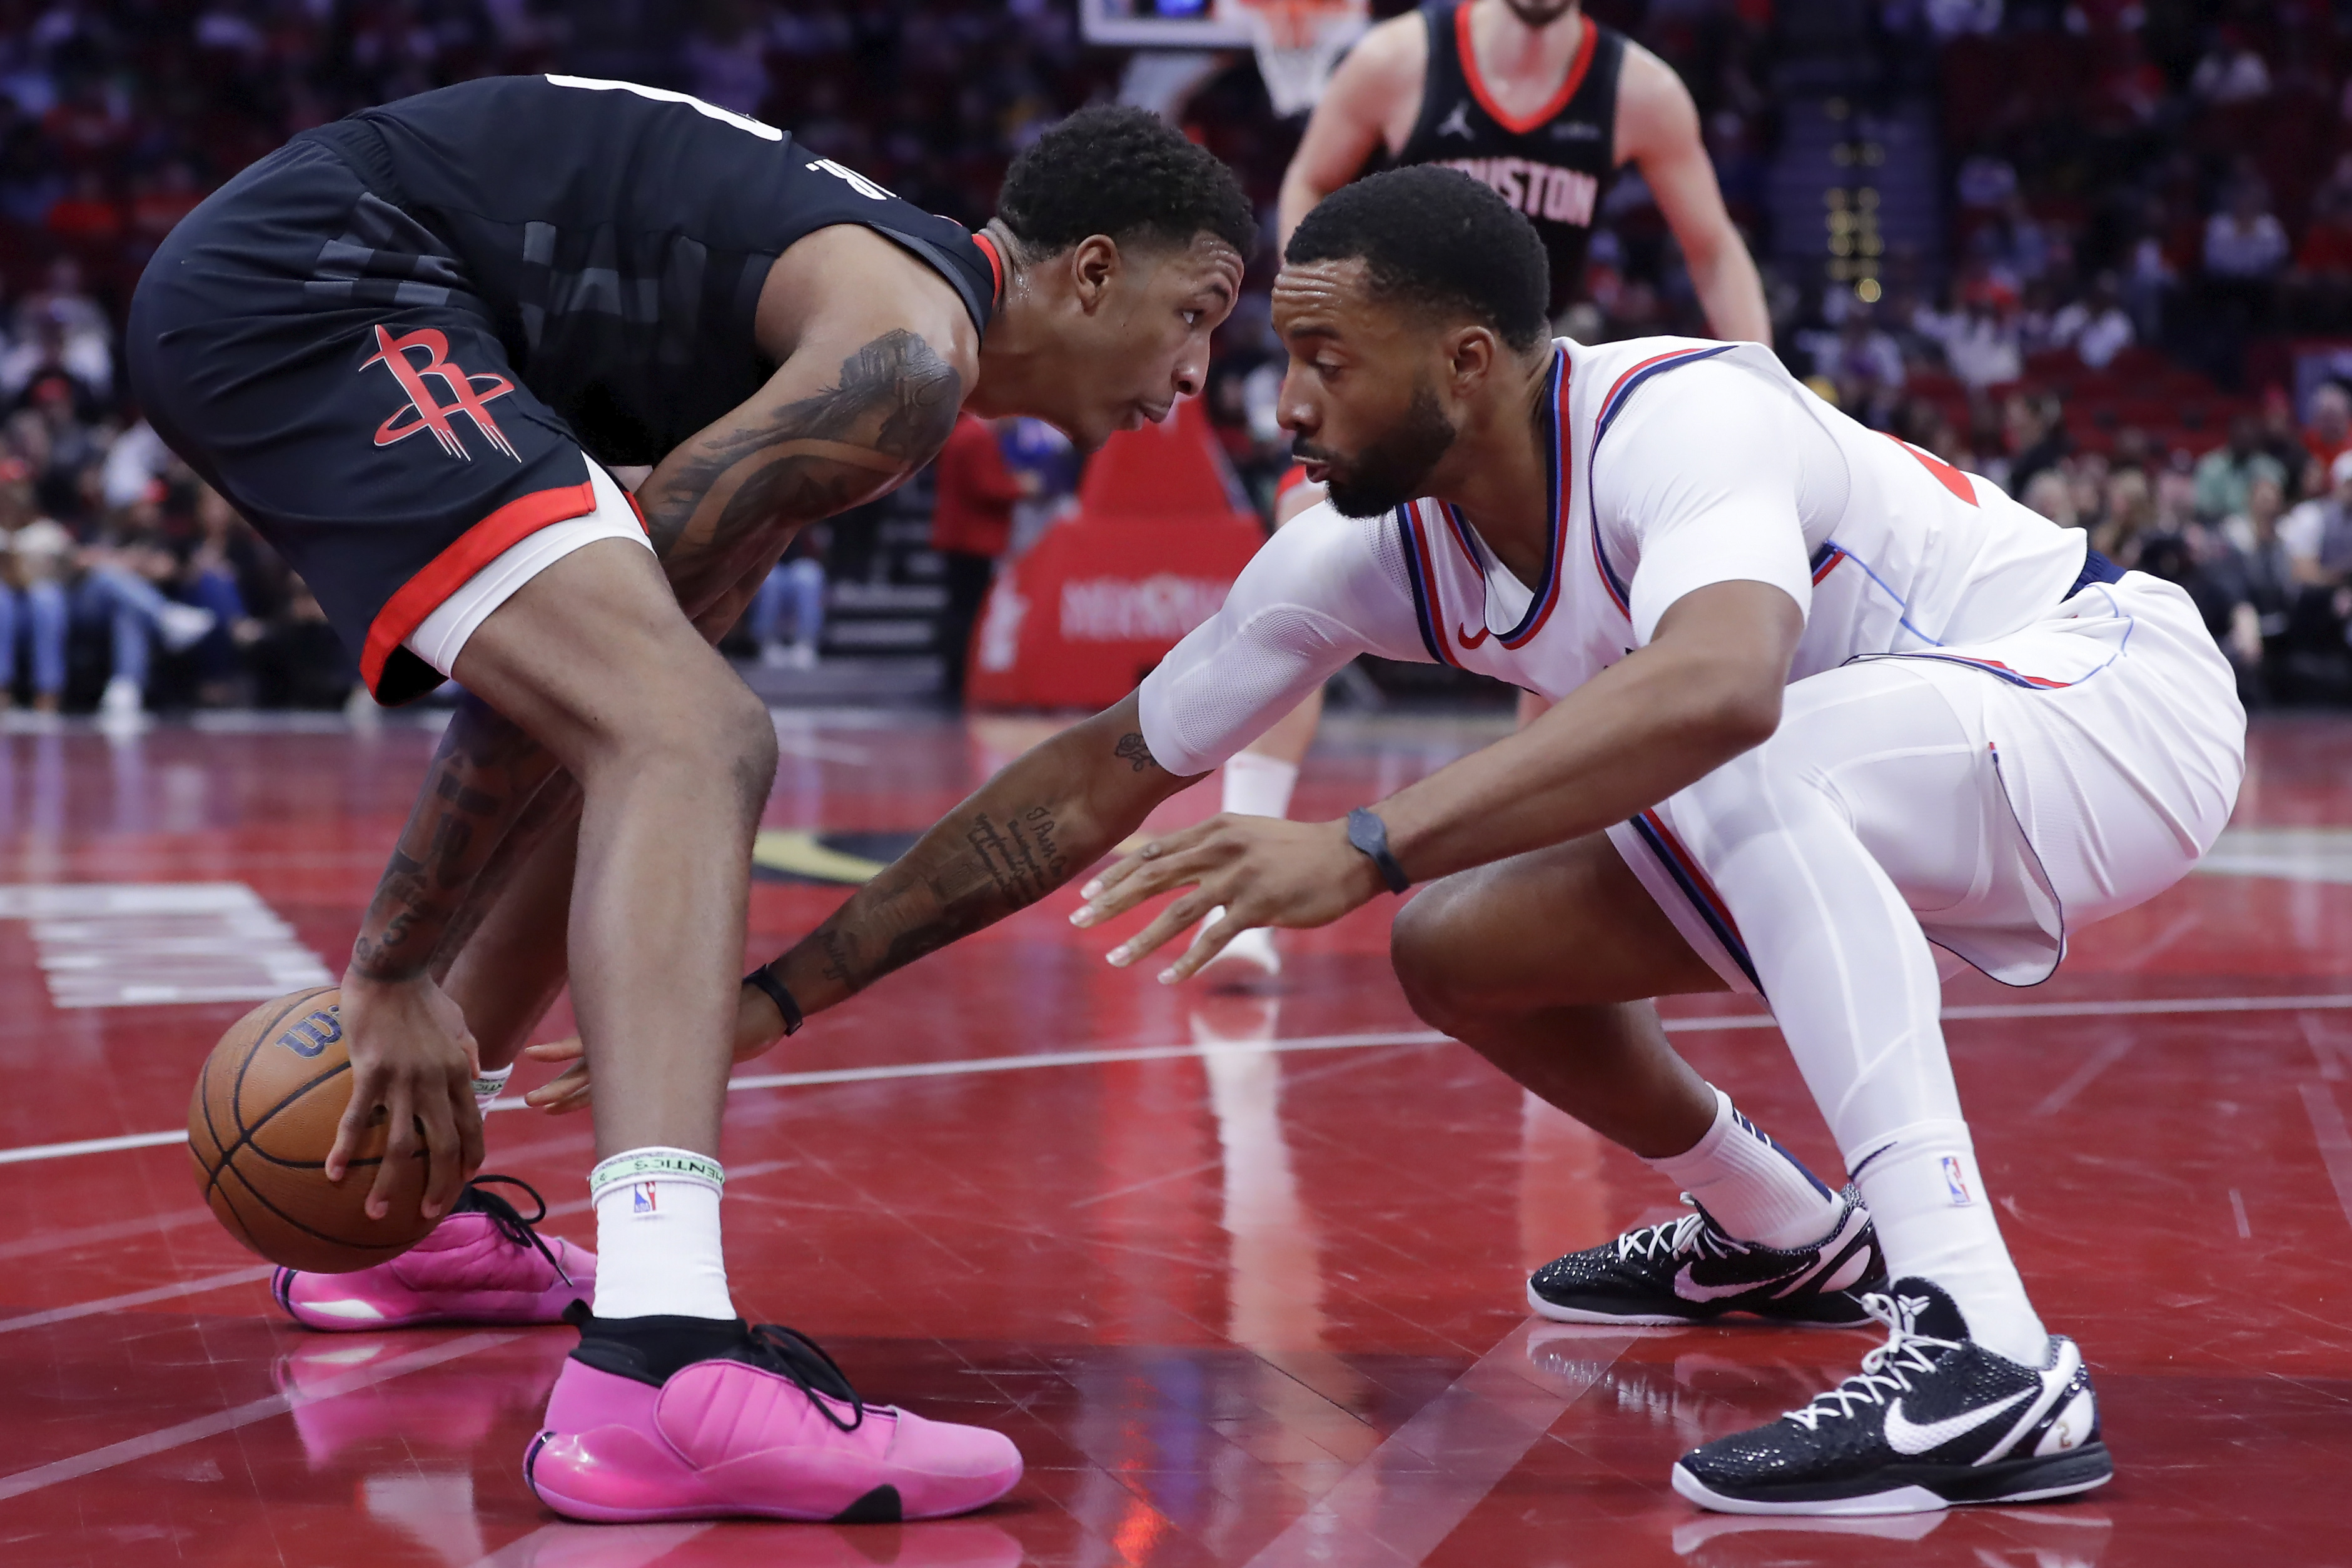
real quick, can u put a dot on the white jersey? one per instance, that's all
(1676, 463)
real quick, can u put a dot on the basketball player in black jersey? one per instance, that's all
(1545, 104)
(409, 347)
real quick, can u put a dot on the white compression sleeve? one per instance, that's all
(1870, 772)
(1324, 588)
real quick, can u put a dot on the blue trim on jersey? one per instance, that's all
(1610, 409)
(1699, 901)
(1424, 595)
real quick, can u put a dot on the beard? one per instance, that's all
(1534, 14)
(1393, 467)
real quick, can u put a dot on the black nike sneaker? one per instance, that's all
(1690, 1270)
(1932, 1420)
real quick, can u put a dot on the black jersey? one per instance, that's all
(619, 236)
(1554, 165)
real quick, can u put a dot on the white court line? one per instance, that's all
(2335, 1142)
(2107, 1056)
(2139, 1007)
(149, 1444)
(136, 1299)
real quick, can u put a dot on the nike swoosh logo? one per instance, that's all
(1467, 641)
(1690, 1289)
(1907, 1437)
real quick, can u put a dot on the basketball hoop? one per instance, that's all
(1297, 42)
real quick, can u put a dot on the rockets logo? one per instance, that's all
(468, 393)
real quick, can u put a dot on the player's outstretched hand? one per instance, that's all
(1263, 871)
(757, 1028)
(413, 1060)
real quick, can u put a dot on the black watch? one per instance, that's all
(785, 1003)
(1367, 832)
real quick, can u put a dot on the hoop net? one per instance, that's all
(1297, 42)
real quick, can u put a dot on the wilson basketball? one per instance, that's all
(259, 1126)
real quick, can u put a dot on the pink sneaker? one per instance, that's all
(483, 1264)
(656, 1418)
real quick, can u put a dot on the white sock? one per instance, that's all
(489, 1083)
(1258, 786)
(1755, 1188)
(1936, 1221)
(657, 1235)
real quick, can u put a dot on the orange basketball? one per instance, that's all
(259, 1126)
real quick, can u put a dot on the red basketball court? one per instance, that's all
(1241, 1273)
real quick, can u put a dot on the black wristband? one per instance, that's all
(778, 994)
(1367, 832)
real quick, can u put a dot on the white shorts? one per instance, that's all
(2114, 745)
(441, 635)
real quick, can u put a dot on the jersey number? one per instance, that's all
(663, 95)
(857, 182)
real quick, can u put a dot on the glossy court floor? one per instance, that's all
(1240, 1273)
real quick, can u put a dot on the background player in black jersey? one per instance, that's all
(1545, 104)
(408, 346)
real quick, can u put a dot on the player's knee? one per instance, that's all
(1425, 950)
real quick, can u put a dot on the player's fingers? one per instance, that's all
(1176, 871)
(1157, 849)
(1207, 945)
(566, 1050)
(444, 1169)
(567, 1090)
(471, 1148)
(1178, 918)
(400, 1145)
(366, 1097)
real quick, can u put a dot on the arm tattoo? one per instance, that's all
(1030, 829)
(889, 414)
(485, 772)
(1132, 750)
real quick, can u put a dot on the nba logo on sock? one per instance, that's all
(641, 1197)
(1956, 1182)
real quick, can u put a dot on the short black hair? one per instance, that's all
(1435, 237)
(1126, 173)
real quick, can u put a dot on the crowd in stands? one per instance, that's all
(2146, 205)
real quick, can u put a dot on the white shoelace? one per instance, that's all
(1885, 1371)
(1675, 1237)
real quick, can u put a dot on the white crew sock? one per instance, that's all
(1258, 786)
(1924, 1191)
(1755, 1188)
(657, 1235)
(489, 1083)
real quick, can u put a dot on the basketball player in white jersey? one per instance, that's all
(1545, 104)
(1830, 719)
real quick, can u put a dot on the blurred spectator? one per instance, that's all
(34, 555)
(2328, 430)
(794, 592)
(2230, 71)
(2317, 534)
(2049, 494)
(2097, 328)
(1865, 366)
(2035, 424)
(120, 591)
(2225, 474)
(970, 528)
(2254, 578)
(2130, 519)
(1048, 464)
(1981, 336)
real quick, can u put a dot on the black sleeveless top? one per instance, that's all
(618, 235)
(1554, 165)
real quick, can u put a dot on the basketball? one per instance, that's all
(259, 1126)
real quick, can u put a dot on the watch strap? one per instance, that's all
(765, 980)
(1368, 834)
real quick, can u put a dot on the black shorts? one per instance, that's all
(318, 357)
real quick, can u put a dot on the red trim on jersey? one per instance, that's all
(1577, 66)
(995, 268)
(1950, 477)
(450, 571)
(1564, 457)
(1417, 527)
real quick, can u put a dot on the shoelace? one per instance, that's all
(1885, 1371)
(1689, 1233)
(510, 1222)
(795, 1356)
